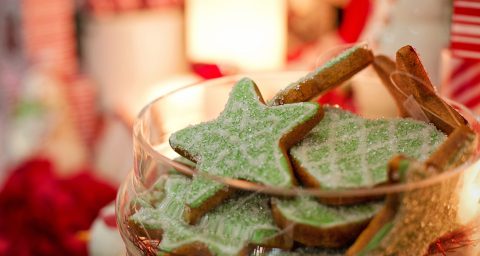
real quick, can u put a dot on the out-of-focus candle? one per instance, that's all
(469, 207)
(248, 34)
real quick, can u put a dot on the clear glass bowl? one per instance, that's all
(204, 101)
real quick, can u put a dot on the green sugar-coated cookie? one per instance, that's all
(332, 62)
(226, 230)
(317, 224)
(326, 77)
(246, 141)
(347, 151)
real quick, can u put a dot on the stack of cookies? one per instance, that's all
(292, 142)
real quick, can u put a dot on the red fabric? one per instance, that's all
(355, 17)
(41, 214)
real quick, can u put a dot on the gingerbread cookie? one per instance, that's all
(347, 151)
(333, 73)
(247, 141)
(226, 230)
(394, 230)
(316, 224)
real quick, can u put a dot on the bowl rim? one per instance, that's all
(391, 188)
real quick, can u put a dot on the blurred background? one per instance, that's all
(74, 74)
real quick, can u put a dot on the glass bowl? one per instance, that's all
(192, 104)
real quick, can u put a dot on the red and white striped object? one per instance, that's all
(465, 31)
(81, 94)
(48, 34)
(464, 83)
(464, 80)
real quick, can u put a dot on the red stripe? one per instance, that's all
(471, 82)
(466, 11)
(461, 22)
(473, 102)
(49, 20)
(465, 46)
(52, 42)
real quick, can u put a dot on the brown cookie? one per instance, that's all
(314, 224)
(333, 73)
(395, 226)
(248, 140)
(347, 151)
(229, 229)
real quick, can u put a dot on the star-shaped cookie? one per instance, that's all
(226, 230)
(249, 140)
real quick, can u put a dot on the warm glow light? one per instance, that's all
(167, 85)
(184, 100)
(249, 34)
(469, 207)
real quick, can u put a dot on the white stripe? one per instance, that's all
(466, 29)
(465, 39)
(455, 62)
(466, 4)
(467, 54)
(469, 94)
(459, 80)
(465, 18)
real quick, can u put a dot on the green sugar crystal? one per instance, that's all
(243, 142)
(342, 56)
(226, 230)
(347, 151)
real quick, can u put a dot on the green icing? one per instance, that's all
(403, 168)
(343, 55)
(308, 211)
(226, 230)
(243, 142)
(149, 197)
(347, 151)
(376, 239)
